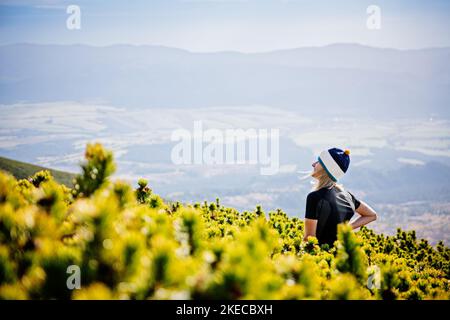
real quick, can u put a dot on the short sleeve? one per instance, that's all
(311, 206)
(356, 202)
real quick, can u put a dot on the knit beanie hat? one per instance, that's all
(335, 162)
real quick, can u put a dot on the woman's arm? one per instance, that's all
(310, 228)
(367, 215)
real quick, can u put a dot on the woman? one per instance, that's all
(329, 204)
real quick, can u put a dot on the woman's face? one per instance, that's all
(317, 168)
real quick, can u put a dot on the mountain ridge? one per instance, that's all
(23, 170)
(347, 78)
(331, 45)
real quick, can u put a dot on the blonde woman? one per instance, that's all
(329, 204)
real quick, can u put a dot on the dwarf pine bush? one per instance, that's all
(350, 257)
(131, 244)
(95, 172)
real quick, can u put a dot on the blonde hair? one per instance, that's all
(323, 180)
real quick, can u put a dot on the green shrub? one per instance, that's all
(131, 244)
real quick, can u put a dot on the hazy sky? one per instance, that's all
(241, 25)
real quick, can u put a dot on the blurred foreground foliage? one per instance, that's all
(130, 244)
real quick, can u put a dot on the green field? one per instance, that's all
(23, 170)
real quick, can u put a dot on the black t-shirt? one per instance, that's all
(330, 207)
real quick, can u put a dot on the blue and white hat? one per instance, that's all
(335, 162)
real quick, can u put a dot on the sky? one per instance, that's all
(228, 25)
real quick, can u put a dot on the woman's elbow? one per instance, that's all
(374, 217)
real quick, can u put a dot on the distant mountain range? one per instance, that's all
(335, 79)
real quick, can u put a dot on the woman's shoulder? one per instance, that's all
(345, 191)
(318, 193)
(324, 193)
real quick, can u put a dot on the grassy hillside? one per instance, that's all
(23, 170)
